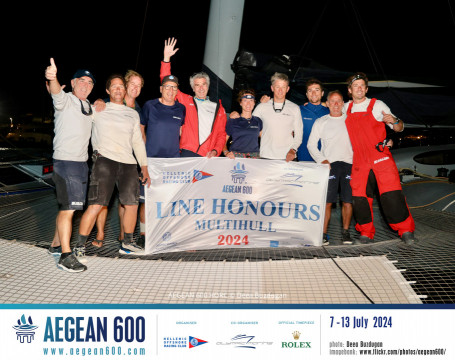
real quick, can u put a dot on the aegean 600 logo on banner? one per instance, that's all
(203, 203)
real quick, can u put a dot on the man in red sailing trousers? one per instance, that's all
(373, 163)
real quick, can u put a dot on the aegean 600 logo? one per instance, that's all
(94, 329)
(25, 329)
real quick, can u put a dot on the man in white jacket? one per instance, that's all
(336, 151)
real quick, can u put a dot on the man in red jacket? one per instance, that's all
(204, 130)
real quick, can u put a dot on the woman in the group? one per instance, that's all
(245, 130)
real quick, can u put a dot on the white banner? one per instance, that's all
(201, 203)
(118, 332)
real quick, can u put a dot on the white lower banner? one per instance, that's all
(201, 203)
(225, 334)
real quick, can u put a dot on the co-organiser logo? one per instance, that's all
(291, 179)
(244, 341)
(25, 329)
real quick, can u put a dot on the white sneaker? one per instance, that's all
(131, 249)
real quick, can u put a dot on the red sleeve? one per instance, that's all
(165, 70)
(220, 140)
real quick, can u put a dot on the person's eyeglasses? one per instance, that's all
(90, 111)
(173, 87)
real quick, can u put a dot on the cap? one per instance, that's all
(170, 78)
(81, 73)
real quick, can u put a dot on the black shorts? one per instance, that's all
(70, 178)
(339, 182)
(107, 173)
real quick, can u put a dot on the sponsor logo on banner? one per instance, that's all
(296, 344)
(193, 342)
(238, 177)
(291, 179)
(166, 242)
(239, 173)
(25, 329)
(176, 177)
(244, 341)
(200, 175)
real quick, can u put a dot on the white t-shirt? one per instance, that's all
(378, 108)
(278, 128)
(335, 143)
(117, 133)
(206, 115)
(71, 127)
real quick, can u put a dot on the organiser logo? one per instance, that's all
(199, 175)
(193, 342)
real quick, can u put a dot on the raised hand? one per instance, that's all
(51, 71)
(169, 50)
(49, 88)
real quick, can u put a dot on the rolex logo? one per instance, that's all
(296, 335)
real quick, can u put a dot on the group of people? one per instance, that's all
(123, 135)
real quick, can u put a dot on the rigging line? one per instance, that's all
(451, 12)
(314, 30)
(218, 53)
(310, 38)
(409, 108)
(350, 279)
(369, 44)
(142, 35)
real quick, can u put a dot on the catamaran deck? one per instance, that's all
(386, 272)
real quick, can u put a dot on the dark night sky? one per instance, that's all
(413, 41)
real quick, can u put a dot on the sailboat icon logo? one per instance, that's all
(25, 329)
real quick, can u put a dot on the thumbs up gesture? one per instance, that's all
(51, 71)
(387, 118)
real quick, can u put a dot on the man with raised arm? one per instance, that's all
(204, 130)
(72, 128)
